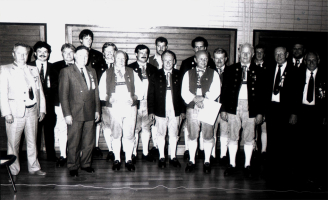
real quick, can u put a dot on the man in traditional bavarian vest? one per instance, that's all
(241, 106)
(198, 83)
(165, 106)
(120, 88)
(144, 71)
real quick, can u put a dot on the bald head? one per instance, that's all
(201, 59)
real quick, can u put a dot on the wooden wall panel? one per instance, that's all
(179, 39)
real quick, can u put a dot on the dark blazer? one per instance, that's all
(150, 69)
(96, 61)
(288, 93)
(157, 93)
(232, 80)
(74, 96)
(57, 66)
(153, 61)
(188, 63)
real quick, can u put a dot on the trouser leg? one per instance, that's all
(61, 131)
(74, 134)
(129, 121)
(87, 143)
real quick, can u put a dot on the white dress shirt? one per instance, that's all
(86, 74)
(308, 75)
(276, 98)
(301, 60)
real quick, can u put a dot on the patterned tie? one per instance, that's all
(42, 74)
(244, 72)
(309, 96)
(277, 81)
(83, 76)
(119, 73)
(168, 78)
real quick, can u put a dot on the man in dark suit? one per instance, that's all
(241, 100)
(144, 70)
(61, 126)
(42, 51)
(311, 137)
(298, 52)
(79, 98)
(161, 46)
(281, 109)
(166, 109)
(96, 61)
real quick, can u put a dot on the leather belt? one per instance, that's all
(30, 106)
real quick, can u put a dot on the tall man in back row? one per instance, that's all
(161, 46)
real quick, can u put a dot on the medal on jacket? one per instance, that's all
(30, 94)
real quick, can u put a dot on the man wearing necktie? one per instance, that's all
(165, 106)
(108, 50)
(298, 51)
(241, 100)
(311, 137)
(79, 98)
(280, 91)
(120, 88)
(161, 46)
(144, 70)
(61, 126)
(220, 57)
(198, 83)
(23, 106)
(46, 127)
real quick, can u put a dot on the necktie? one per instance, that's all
(244, 72)
(83, 76)
(119, 73)
(309, 96)
(276, 88)
(297, 62)
(42, 74)
(111, 65)
(168, 76)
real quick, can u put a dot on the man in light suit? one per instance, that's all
(22, 105)
(79, 97)
(42, 52)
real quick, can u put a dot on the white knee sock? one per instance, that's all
(223, 146)
(214, 148)
(232, 154)
(98, 130)
(186, 137)
(248, 149)
(208, 146)
(192, 149)
(154, 136)
(201, 141)
(128, 148)
(145, 142)
(264, 141)
(173, 146)
(117, 148)
(108, 138)
(136, 141)
(161, 145)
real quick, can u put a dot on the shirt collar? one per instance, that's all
(221, 68)
(38, 63)
(166, 71)
(308, 72)
(283, 65)
(142, 64)
(20, 66)
(67, 63)
(301, 60)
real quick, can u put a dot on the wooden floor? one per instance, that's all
(147, 182)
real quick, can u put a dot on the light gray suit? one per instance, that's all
(13, 96)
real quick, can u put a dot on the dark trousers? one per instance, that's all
(280, 141)
(48, 124)
(80, 142)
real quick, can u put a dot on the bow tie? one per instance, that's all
(201, 70)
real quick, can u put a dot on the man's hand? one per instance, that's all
(41, 117)
(69, 120)
(151, 117)
(293, 119)
(97, 117)
(224, 116)
(200, 104)
(9, 119)
(198, 99)
(258, 119)
(183, 116)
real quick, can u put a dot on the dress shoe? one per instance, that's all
(230, 170)
(97, 151)
(88, 169)
(162, 163)
(134, 159)
(154, 151)
(207, 168)
(130, 166)
(190, 167)
(212, 159)
(247, 172)
(175, 162)
(73, 173)
(201, 154)
(39, 172)
(61, 161)
(186, 155)
(223, 161)
(116, 165)
(148, 158)
(52, 158)
(110, 156)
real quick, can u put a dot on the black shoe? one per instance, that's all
(223, 161)
(154, 151)
(190, 167)
(61, 161)
(264, 156)
(73, 173)
(134, 159)
(116, 165)
(247, 172)
(207, 168)
(148, 158)
(97, 151)
(162, 163)
(201, 154)
(130, 166)
(212, 159)
(230, 170)
(186, 155)
(88, 169)
(110, 156)
(52, 158)
(175, 162)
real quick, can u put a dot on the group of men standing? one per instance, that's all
(90, 92)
